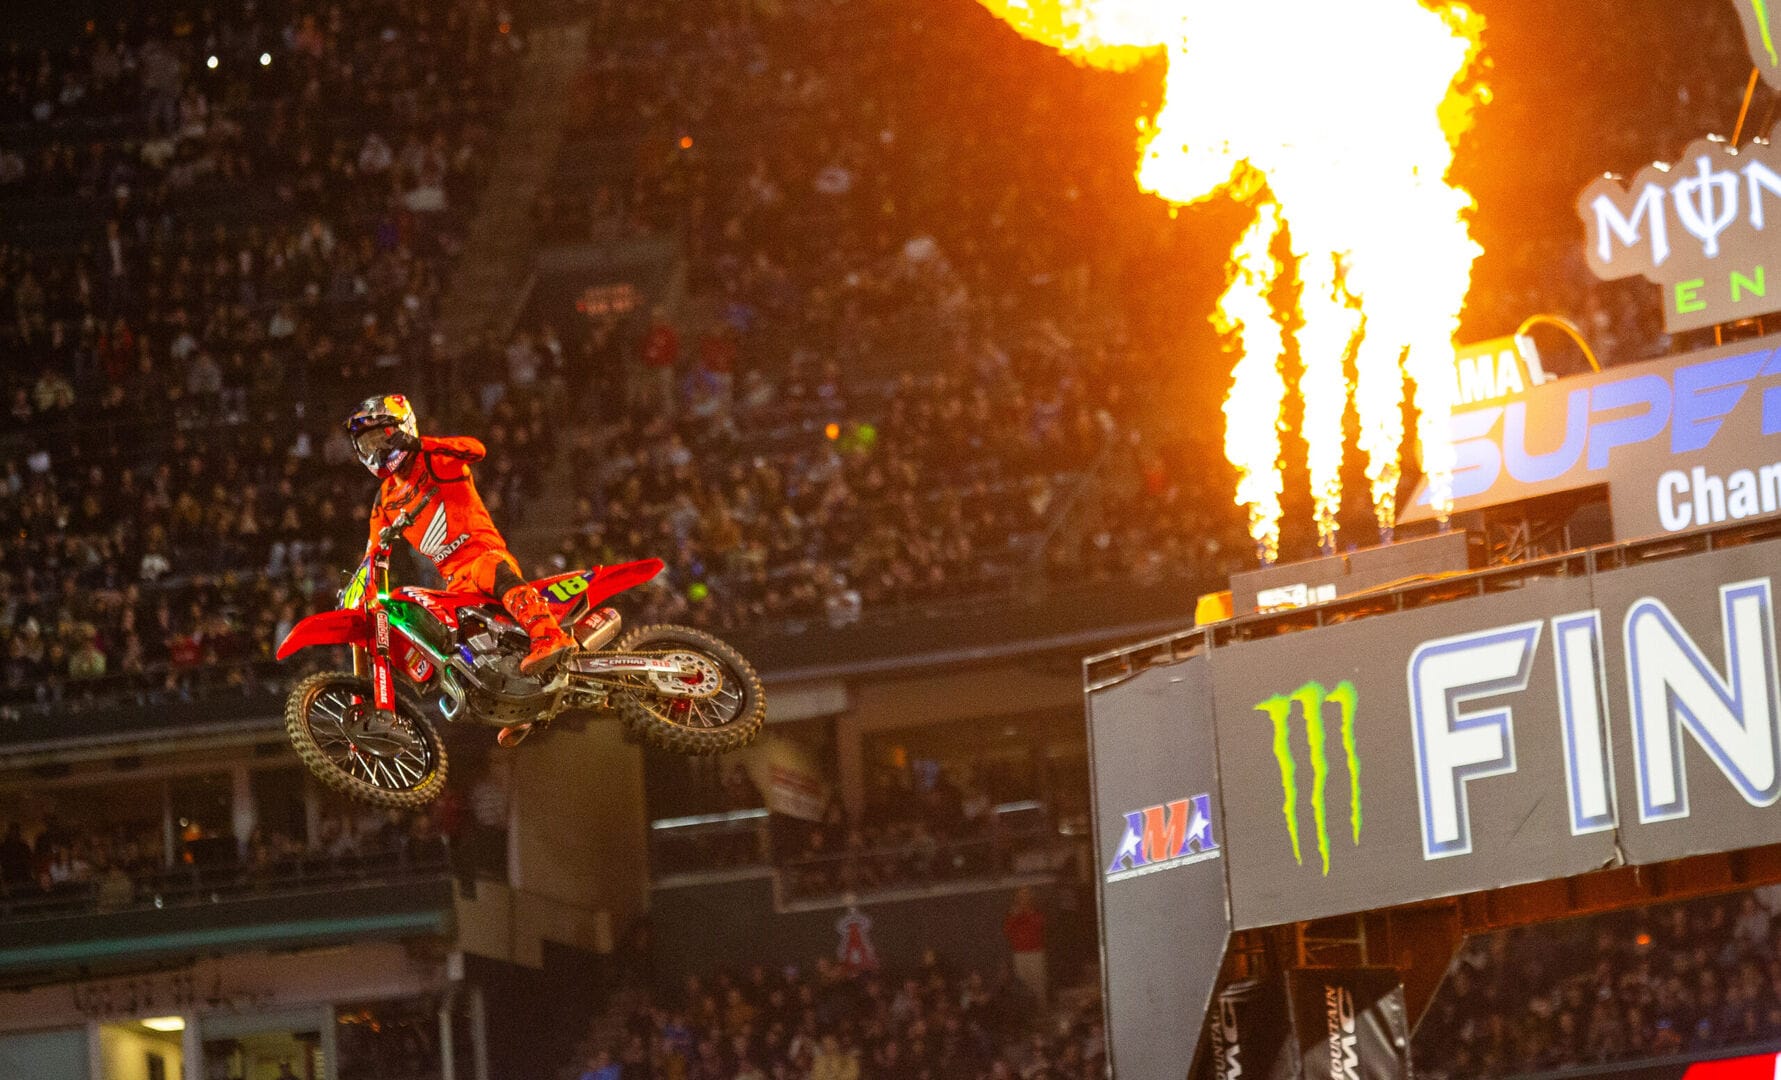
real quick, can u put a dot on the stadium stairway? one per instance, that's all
(489, 288)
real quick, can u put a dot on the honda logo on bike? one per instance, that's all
(433, 543)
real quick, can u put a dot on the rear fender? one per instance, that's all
(342, 626)
(598, 585)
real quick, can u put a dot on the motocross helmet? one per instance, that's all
(384, 432)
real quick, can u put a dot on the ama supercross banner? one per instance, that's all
(1681, 443)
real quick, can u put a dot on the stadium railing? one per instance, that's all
(1021, 842)
(196, 886)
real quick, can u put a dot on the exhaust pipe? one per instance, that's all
(597, 629)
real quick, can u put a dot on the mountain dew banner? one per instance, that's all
(1349, 1023)
(1249, 1034)
(1308, 1024)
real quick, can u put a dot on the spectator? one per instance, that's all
(487, 849)
(1683, 977)
(600, 1066)
(660, 354)
(1024, 929)
(15, 858)
(831, 1062)
(830, 1024)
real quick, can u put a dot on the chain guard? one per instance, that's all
(575, 691)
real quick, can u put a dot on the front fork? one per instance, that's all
(374, 663)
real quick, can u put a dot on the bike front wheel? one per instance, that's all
(398, 762)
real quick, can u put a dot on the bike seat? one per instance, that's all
(574, 612)
(573, 594)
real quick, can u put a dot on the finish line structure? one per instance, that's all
(1369, 779)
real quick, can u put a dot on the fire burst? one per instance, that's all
(1337, 123)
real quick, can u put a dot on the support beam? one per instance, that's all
(448, 1064)
(479, 1034)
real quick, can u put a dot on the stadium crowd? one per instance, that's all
(842, 199)
(218, 230)
(846, 415)
(1660, 982)
(846, 223)
(923, 356)
(833, 1021)
(63, 866)
(207, 259)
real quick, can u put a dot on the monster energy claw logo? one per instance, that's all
(1311, 699)
(1759, 9)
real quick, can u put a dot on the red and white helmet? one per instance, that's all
(384, 432)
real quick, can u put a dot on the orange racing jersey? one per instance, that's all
(455, 529)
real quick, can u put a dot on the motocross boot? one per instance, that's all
(549, 641)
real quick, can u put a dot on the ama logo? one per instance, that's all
(1158, 837)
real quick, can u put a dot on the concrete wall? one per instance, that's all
(579, 856)
(46, 1055)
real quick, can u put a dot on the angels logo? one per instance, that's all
(855, 949)
(433, 543)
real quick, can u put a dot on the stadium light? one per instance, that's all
(164, 1023)
(210, 61)
(265, 59)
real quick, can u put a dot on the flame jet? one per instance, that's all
(1337, 122)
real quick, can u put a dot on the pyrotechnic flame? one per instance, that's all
(1346, 114)
(1246, 319)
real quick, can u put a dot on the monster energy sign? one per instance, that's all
(1761, 35)
(1697, 229)
(1310, 700)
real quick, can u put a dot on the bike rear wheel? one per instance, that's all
(329, 719)
(727, 719)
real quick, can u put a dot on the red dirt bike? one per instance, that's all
(366, 732)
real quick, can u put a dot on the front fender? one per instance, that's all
(342, 626)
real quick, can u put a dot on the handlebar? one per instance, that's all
(388, 534)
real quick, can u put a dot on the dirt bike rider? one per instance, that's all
(456, 534)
